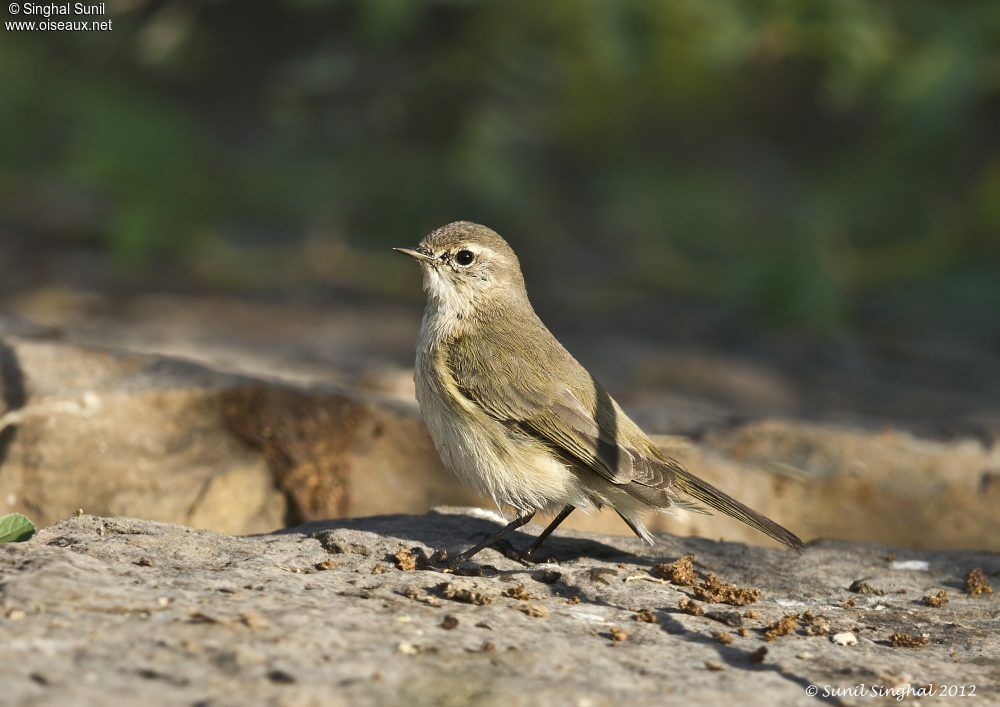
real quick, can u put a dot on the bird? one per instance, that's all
(514, 415)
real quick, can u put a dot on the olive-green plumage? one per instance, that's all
(513, 413)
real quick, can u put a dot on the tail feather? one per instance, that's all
(709, 495)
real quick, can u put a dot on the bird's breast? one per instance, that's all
(511, 468)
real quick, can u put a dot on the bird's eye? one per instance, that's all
(464, 257)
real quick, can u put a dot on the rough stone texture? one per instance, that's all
(119, 433)
(829, 481)
(113, 611)
(128, 434)
(888, 486)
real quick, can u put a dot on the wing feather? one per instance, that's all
(580, 421)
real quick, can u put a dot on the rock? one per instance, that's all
(831, 481)
(120, 433)
(115, 611)
(130, 434)
(844, 638)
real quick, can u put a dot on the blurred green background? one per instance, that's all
(827, 168)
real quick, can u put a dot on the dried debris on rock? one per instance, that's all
(782, 627)
(645, 616)
(689, 606)
(814, 624)
(900, 639)
(936, 600)
(715, 590)
(466, 595)
(680, 572)
(976, 583)
(862, 586)
(518, 592)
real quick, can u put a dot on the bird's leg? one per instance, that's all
(563, 515)
(472, 551)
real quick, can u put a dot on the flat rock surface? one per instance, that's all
(114, 611)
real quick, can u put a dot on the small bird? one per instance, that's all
(514, 415)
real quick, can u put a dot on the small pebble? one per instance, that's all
(449, 622)
(618, 635)
(722, 637)
(646, 616)
(914, 565)
(844, 639)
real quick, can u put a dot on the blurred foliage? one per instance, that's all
(793, 158)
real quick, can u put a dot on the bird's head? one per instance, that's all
(468, 267)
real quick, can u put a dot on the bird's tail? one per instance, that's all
(704, 492)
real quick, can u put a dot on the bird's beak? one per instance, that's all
(416, 253)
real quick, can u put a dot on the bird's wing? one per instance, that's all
(593, 435)
(576, 416)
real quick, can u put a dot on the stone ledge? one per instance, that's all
(124, 434)
(115, 611)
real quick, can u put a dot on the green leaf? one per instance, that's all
(15, 528)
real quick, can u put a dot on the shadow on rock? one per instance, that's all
(453, 531)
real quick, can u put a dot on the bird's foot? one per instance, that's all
(438, 558)
(507, 549)
(461, 565)
(446, 563)
(528, 559)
